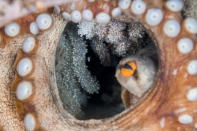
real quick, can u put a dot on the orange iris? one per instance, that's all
(128, 69)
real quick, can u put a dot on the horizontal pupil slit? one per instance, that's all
(127, 66)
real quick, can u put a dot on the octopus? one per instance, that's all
(28, 41)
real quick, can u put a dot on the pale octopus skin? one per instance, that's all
(170, 106)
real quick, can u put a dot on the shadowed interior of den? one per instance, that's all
(87, 57)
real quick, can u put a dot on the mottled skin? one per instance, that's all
(22, 8)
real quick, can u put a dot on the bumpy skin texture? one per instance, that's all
(16, 8)
(159, 111)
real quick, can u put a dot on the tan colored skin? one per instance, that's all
(17, 9)
(167, 96)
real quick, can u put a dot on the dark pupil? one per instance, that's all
(127, 66)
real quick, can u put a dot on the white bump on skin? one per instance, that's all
(138, 7)
(116, 12)
(191, 25)
(91, 1)
(192, 94)
(162, 122)
(185, 45)
(171, 28)
(34, 28)
(195, 125)
(66, 16)
(57, 9)
(87, 15)
(12, 29)
(24, 67)
(102, 18)
(44, 21)
(124, 4)
(154, 16)
(174, 5)
(76, 16)
(185, 119)
(73, 6)
(24, 90)
(174, 71)
(30, 122)
(180, 110)
(29, 44)
(106, 7)
(192, 67)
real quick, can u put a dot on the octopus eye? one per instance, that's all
(58, 65)
(128, 69)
